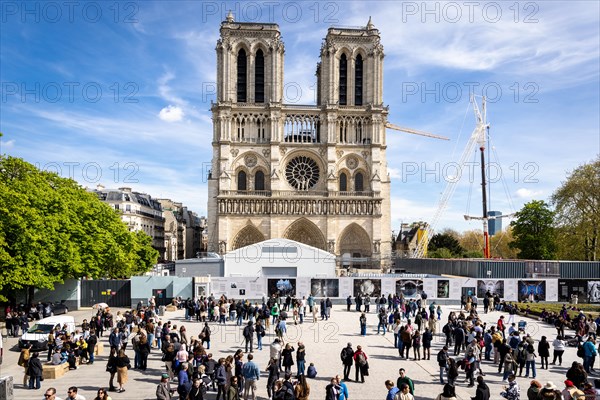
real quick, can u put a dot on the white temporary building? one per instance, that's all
(279, 258)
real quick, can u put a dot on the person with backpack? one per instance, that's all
(363, 324)
(589, 353)
(347, 356)
(447, 331)
(248, 334)
(406, 337)
(416, 345)
(521, 356)
(288, 388)
(530, 361)
(361, 364)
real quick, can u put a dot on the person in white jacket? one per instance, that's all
(275, 352)
(559, 348)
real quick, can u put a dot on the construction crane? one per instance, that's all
(414, 131)
(477, 137)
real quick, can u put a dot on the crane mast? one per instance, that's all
(477, 138)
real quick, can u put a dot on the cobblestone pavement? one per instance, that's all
(323, 340)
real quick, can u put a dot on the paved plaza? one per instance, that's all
(323, 340)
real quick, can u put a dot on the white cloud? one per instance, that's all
(395, 173)
(524, 193)
(171, 114)
(7, 145)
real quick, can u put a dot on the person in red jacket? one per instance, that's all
(361, 364)
(501, 326)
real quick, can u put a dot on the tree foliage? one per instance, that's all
(577, 204)
(447, 240)
(51, 229)
(533, 231)
(500, 245)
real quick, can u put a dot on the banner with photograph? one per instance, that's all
(593, 291)
(281, 287)
(325, 287)
(443, 289)
(409, 287)
(494, 286)
(532, 290)
(367, 287)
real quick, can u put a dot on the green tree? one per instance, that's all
(533, 232)
(442, 252)
(446, 240)
(577, 204)
(51, 229)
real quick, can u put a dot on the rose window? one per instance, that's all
(302, 173)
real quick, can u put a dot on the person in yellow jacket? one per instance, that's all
(82, 350)
(496, 342)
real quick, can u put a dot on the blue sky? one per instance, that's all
(118, 93)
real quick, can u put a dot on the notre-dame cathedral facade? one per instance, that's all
(316, 174)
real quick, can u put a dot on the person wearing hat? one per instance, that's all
(570, 392)
(534, 390)
(163, 389)
(550, 392)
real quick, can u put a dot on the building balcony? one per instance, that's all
(296, 193)
(251, 140)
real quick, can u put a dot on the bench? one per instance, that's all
(171, 308)
(50, 371)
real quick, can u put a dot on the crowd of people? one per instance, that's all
(470, 342)
(191, 370)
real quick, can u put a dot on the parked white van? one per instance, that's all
(37, 335)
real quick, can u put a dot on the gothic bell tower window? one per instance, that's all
(358, 81)
(241, 76)
(343, 80)
(259, 77)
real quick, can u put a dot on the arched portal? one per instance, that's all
(246, 236)
(355, 240)
(304, 231)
